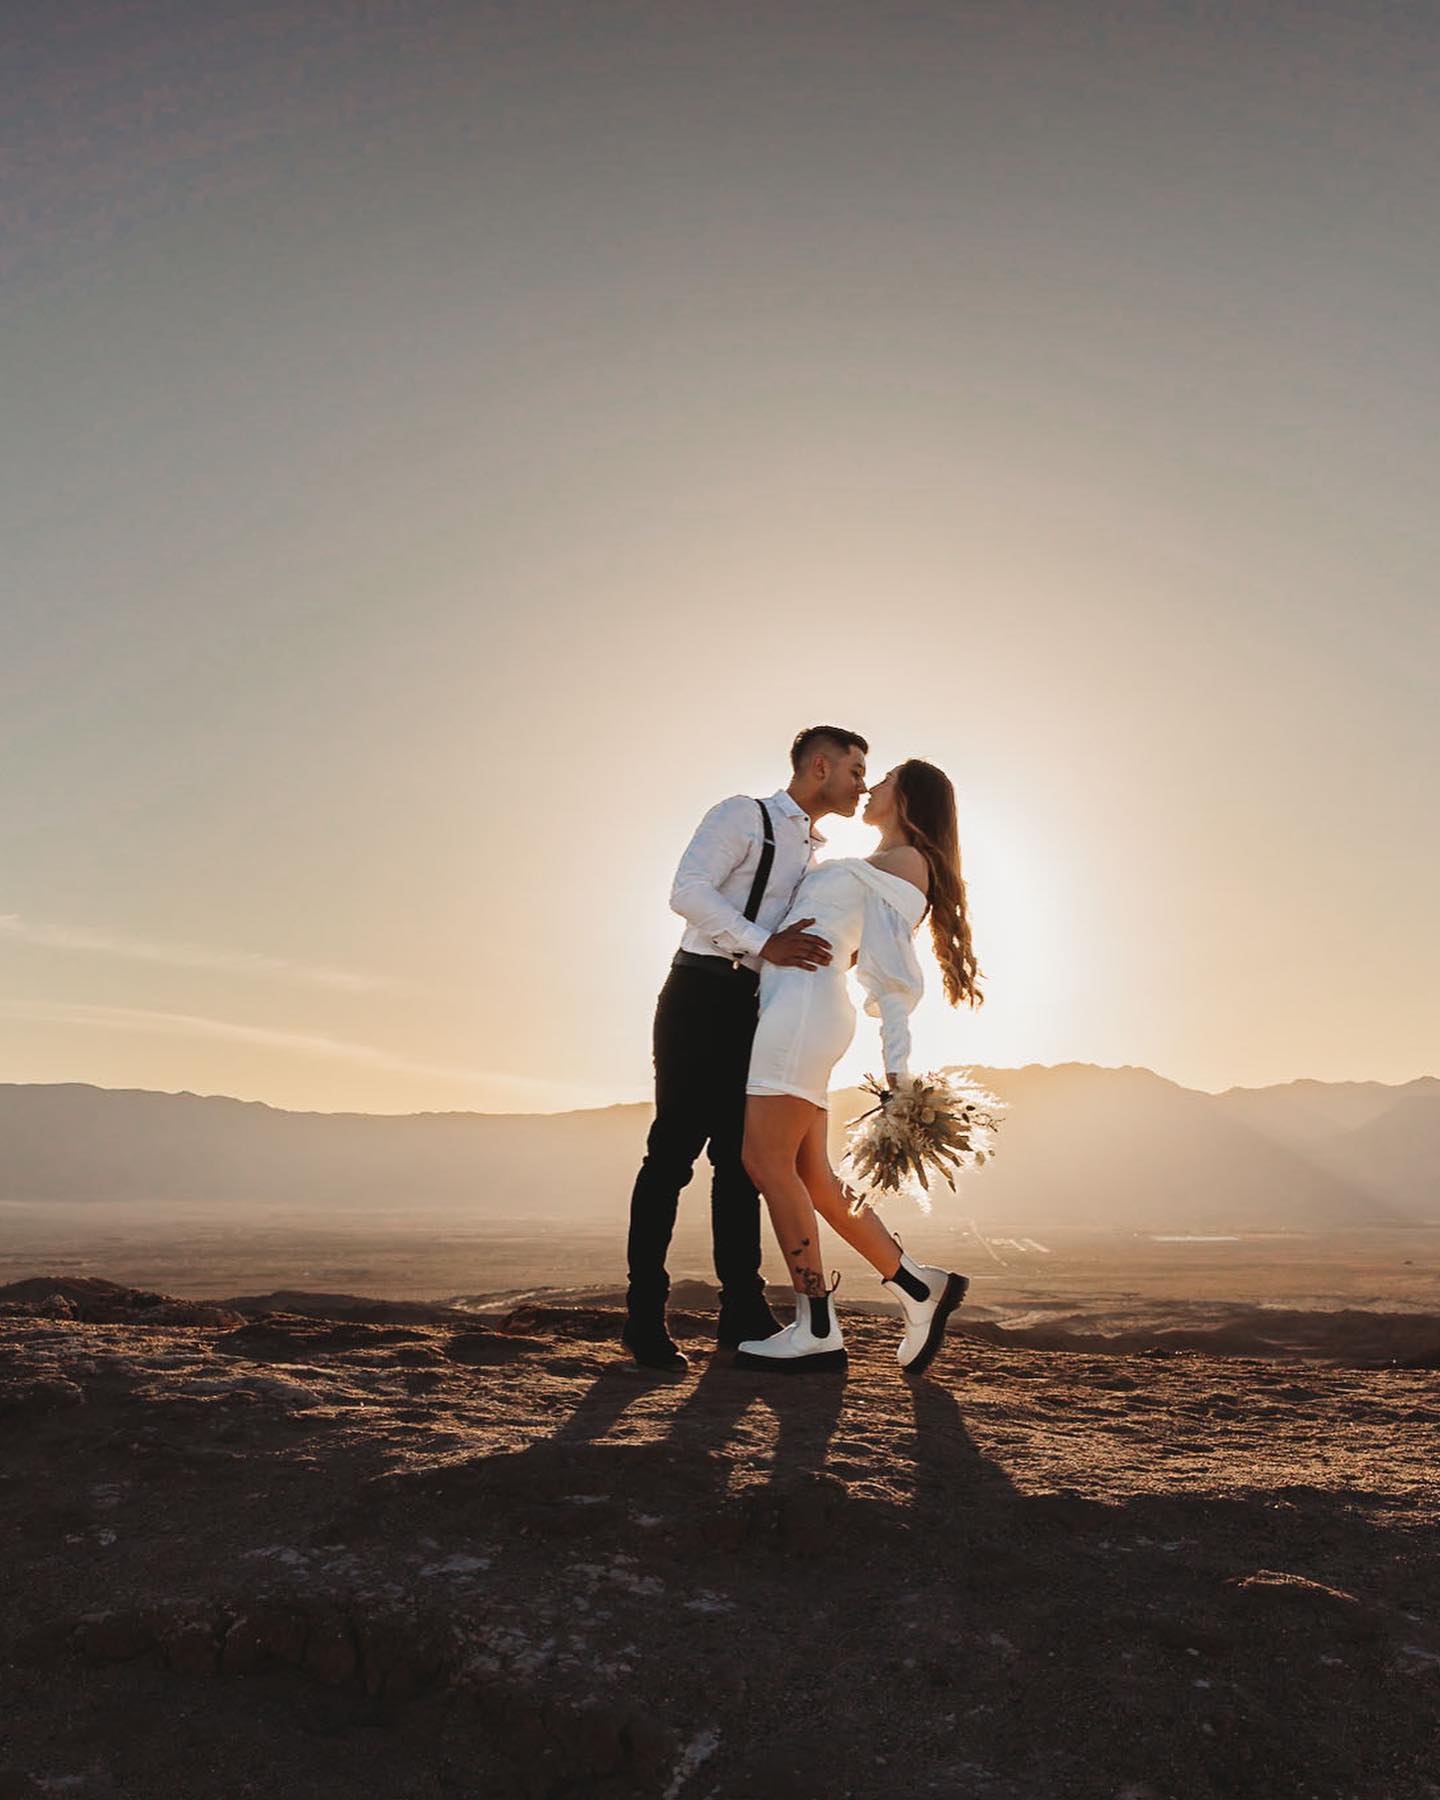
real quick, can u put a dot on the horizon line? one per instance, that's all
(614, 1105)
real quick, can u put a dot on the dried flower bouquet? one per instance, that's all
(927, 1125)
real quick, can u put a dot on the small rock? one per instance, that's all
(193, 1312)
(40, 1394)
(458, 1564)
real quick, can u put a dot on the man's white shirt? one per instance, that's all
(718, 868)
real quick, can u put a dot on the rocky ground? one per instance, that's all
(365, 1548)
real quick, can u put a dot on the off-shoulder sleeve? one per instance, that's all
(890, 974)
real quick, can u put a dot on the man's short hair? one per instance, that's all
(834, 740)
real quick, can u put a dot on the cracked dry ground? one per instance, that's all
(401, 1552)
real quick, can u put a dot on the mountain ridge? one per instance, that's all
(1082, 1144)
(1430, 1084)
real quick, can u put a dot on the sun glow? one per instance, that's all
(351, 762)
(1022, 918)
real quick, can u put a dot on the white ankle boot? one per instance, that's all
(924, 1319)
(811, 1341)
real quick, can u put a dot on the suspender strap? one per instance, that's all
(762, 870)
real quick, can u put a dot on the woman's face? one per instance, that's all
(880, 807)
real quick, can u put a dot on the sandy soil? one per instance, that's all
(377, 1549)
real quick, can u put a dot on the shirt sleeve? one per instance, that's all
(720, 845)
(889, 972)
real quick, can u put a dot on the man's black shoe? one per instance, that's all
(653, 1347)
(739, 1323)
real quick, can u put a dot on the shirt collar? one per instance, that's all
(785, 802)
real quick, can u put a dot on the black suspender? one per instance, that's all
(762, 868)
(687, 959)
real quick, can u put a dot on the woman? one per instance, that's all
(869, 909)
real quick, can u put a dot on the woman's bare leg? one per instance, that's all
(831, 1199)
(775, 1127)
(927, 1296)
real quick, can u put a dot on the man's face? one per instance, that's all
(844, 782)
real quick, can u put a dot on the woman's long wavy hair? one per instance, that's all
(926, 803)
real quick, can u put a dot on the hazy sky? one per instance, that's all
(447, 446)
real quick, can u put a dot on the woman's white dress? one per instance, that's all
(806, 1016)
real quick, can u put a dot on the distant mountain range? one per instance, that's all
(1081, 1147)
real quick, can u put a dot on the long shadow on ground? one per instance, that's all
(375, 1560)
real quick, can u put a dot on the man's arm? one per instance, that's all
(719, 846)
(716, 851)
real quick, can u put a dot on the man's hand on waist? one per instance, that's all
(797, 948)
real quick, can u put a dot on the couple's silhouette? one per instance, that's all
(752, 1019)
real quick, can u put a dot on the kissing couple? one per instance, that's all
(752, 1019)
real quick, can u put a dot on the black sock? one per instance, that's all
(910, 1284)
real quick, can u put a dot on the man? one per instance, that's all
(732, 890)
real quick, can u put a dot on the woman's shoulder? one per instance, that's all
(837, 865)
(906, 862)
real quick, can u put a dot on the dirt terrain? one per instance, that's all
(1111, 1278)
(306, 1546)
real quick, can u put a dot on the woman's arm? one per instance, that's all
(891, 978)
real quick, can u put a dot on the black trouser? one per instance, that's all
(703, 1026)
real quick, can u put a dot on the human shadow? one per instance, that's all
(603, 1404)
(805, 1408)
(949, 1465)
(1030, 1624)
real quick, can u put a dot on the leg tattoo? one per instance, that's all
(812, 1282)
